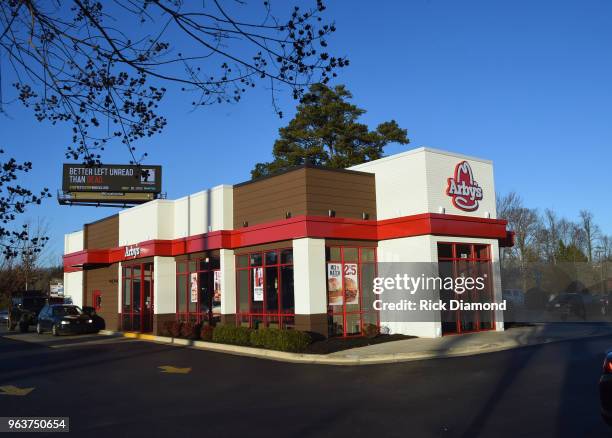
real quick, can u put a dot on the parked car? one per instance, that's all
(98, 321)
(4, 316)
(514, 297)
(605, 389)
(24, 309)
(64, 319)
(566, 305)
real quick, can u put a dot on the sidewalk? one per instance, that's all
(473, 343)
(410, 349)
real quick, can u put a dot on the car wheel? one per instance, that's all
(39, 329)
(54, 330)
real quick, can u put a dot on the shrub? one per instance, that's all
(283, 340)
(166, 329)
(294, 341)
(206, 333)
(189, 330)
(370, 330)
(265, 338)
(175, 329)
(229, 334)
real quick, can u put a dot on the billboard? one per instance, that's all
(112, 178)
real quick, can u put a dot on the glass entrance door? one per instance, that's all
(137, 297)
(464, 260)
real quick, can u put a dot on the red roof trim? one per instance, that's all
(299, 227)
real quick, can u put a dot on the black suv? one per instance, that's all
(24, 309)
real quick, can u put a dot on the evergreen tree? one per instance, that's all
(325, 132)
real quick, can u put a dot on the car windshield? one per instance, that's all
(66, 310)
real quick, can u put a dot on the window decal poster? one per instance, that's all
(194, 287)
(217, 292)
(334, 284)
(351, 283)
(257, 284)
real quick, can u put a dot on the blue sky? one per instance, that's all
(526, 84)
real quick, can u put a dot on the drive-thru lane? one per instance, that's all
(122, 388)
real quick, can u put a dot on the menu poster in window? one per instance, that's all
(257, 284)
(334, 284)
(194, 287)
(351, 283)
(217, 291)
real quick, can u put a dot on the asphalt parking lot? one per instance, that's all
(120, 387)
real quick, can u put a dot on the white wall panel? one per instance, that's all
(73, 242)
(164, 285)
(73, 286)
(309, 274)
(228, 282)
(415, 182)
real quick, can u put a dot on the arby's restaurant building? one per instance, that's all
(297, 250)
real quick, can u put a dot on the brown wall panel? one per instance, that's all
(349, 194)
(103, 233)
(305, 191)
(275, 245)
(270, 198)
(105, 280)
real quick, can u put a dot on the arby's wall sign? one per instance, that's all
(463, 189)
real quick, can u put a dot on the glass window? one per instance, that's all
(193, 266)
(368, 255)
(127, 294)
(368, 272)
(272, 289)
(287, 256)
(181, 291)
(181, 267)
(204, 264)
(350, 277)
(350, 255)
(242, 261)
(136, 294)
(482, 251)
(255, 259)
(287, 296)
(205, 291)
(333, 254)
(464, 251)
(271, 258)
(265, 289)
(214, 262)
(445, 250)
(243, 290)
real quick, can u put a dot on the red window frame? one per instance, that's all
(198, 316)
(473, 258)
(331, 313)
(253, 319)
(131, 314)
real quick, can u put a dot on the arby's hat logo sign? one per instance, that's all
(463, 190)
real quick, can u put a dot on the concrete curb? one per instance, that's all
(348, 359)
